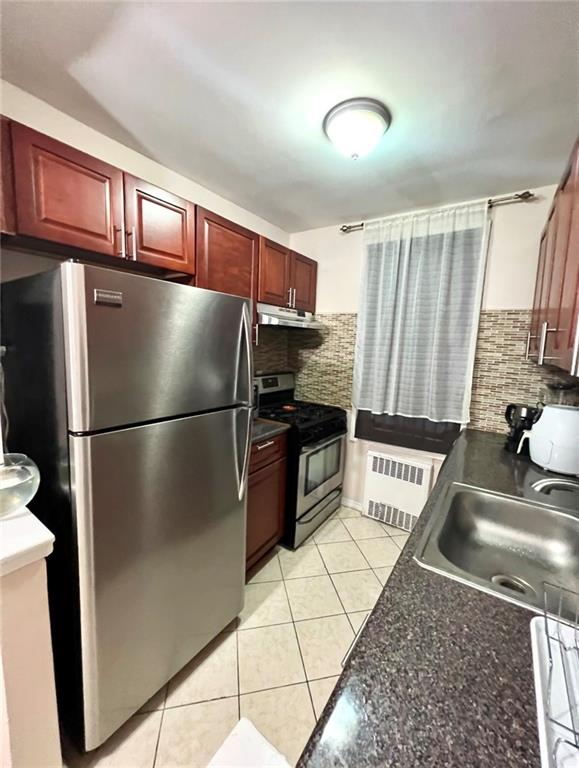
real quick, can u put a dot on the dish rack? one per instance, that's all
(555, 643)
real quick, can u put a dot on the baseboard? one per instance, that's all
(352, 504)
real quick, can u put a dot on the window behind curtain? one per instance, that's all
(419, 311)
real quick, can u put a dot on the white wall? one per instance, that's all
(37, 114)
(511, 266)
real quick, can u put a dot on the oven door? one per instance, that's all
(321, 471)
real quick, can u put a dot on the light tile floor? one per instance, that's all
(277, 664)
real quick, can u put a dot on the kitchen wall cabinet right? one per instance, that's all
(286, 278)
(554, 333)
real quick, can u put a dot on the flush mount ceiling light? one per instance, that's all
(355, 126)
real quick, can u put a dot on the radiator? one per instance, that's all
(395, 489)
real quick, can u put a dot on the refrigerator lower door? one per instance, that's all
(139, 349)
(160, 518)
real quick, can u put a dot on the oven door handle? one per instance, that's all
(332, 497)
(322, 443)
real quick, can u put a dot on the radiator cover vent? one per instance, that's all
(395, 490)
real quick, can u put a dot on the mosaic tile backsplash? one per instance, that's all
(502, 376)
(324, 362)
(271, 353)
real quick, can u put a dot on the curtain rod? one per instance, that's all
(517, 197)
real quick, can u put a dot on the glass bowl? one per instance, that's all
(19, 481)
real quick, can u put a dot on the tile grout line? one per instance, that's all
(158, 738)
(299, 647)
(373, 568)
(336, 591)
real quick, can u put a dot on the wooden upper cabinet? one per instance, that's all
(556, 300)
(274, 267)
(227, 255)
(160, 227)
(7, 203)
(303, 279)
(65, 195)
(568, 309)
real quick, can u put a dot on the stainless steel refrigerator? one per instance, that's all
(133, 396)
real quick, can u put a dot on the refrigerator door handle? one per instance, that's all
(245, 414)
(244, 373)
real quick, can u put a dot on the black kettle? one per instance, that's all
(519, 418)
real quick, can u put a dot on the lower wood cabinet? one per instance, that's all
(266, 504)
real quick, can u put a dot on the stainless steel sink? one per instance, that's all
(506, 546)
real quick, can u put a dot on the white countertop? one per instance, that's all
(23, 540)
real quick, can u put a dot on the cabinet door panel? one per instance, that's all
(226, 256)
(303, 279)
(64, 195)
(7, 209)
(563, 216)
(160, 226)
(274, 261)
(265, 510)
(569, 304)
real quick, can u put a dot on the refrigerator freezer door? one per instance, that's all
(160, 519)
(140, 349)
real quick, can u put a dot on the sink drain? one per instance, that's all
(513, 583)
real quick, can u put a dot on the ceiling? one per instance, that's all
(484, 95)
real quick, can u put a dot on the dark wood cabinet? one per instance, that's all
(65, 195)
(274, 264)
(265, 497)
(227, 255)
(554, 333)
(567, 321)
(286, 278)
(303, 279)
(7, 206)
(53, 192)
(160, 227)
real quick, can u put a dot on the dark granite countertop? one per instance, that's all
(441, 674)
(264, 429)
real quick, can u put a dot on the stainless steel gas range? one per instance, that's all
(315, 459)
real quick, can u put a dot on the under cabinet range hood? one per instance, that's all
(268, 314)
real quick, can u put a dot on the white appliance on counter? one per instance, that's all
(554, 439)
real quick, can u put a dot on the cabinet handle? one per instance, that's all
(543, 343)
(265, 445)
(528, 348)
(294, 299)
(122, 252)
(574, 370)
(289, 297)
(132, 234)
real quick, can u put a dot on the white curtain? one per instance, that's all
(419, 311)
